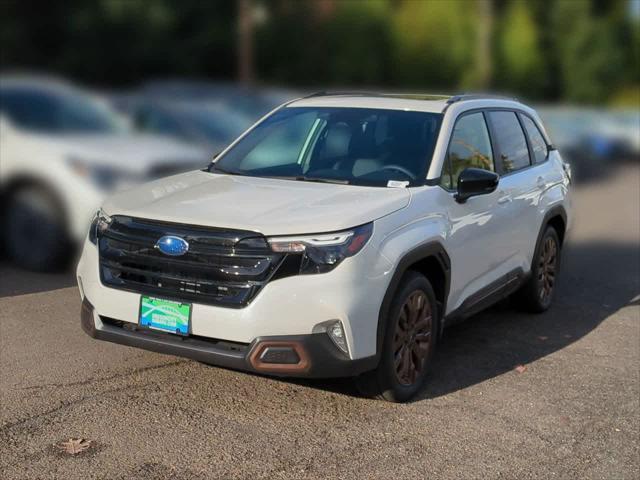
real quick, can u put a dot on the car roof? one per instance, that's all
(44, 83)
(435, 104)
(403, 101)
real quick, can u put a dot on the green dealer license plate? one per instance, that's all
(165, 315)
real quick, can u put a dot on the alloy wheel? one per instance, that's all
(412, 341)
(547, 269)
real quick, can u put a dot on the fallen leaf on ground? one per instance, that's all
(73, 446)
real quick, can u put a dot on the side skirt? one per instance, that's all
(487, 296)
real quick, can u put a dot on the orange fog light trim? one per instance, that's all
(302, 365)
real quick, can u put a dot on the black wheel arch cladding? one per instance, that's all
(433, 251)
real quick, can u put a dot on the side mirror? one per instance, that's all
(475, 181)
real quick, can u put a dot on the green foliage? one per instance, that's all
(359, 31)
(351, 46)
(577, 50)
(628, 97)
(432, 43)
(591, 53)
(520, 60)
(111, 42)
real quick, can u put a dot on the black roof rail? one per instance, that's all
(361, 93)
(478, 96)
(355, 93)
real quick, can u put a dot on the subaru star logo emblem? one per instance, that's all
(171, 245)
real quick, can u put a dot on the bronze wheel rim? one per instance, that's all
(413, 337)
(547, 269)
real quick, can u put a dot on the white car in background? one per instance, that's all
(61, 152)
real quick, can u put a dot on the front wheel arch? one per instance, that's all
(25, 181)
(385, 382)
(56, 251)
(432, 261)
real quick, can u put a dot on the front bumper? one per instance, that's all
(296, 305)
(317, 356)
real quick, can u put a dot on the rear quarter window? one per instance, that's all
(537, 141)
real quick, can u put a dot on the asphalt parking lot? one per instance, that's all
(512, 395)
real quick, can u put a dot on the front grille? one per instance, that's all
(221, 267)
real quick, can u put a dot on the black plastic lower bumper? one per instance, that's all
(318, 356)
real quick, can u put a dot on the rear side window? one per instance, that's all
(537, 141)
(470, 146)
(512, 145)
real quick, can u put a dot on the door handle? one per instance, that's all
(540, 182)
(505, 198)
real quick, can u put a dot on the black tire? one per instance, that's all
(390, 381)
(35, 234)
(536, 295)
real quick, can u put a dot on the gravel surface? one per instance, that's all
(573, 411)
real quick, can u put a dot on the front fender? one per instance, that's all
(406, 244)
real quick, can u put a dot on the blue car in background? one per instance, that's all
(593, 140)
(210, 115)
(249, 102)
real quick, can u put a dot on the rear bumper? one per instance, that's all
(316, 355)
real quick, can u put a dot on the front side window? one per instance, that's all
(538, 143)
(514, 153)
(360, 146)
(470, 146)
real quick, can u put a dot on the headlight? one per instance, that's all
(99, 224)
(323, 252)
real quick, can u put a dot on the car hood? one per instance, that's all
(265, 205)
(129, 152)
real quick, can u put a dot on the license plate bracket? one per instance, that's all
(165, 315)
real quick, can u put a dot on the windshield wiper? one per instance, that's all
(304, 178)
(301, 178)
(215, 169)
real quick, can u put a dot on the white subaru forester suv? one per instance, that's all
(336, 237)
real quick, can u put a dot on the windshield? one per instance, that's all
(359, 146)
(59, 112)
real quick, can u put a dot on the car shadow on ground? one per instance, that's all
(597, 280)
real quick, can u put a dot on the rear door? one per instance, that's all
(543, 174)
(519, 189)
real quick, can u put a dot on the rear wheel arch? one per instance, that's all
(556, 217)
(559, 223)
(430, 260)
